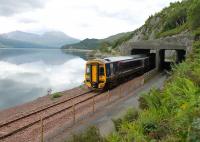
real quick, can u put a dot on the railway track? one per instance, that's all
(14, 126)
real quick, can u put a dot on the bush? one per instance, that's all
(142, 102)
(56, 95)
(194, 15)
(196, 34)
(91, 134)
(130, 116)
(194, 131)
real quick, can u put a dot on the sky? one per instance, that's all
(77, 18)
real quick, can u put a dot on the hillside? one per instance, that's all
(48, 39)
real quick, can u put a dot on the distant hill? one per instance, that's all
(84, 44)
(9, 43)
(95, 43)
(48, 39)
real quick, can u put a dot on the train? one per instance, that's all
(109, 72)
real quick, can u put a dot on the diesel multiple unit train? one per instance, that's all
(109, 72)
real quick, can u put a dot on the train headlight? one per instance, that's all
(101, 85)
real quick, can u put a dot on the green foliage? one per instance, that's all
(196, 34)
(131, 115)
(122, 39)
(92, 134)
(56, 95)
(111, 43)
(142, 102)
(194, 14)
(176, 18)
(174, 31)
(194, 131)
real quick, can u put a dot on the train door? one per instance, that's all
(95, 75)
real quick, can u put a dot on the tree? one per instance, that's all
(194, 15)
(176, 18)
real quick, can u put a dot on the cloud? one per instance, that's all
(11, 7)
(88, 19)
(27, 21)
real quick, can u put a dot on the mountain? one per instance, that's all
(9, 43)
(49, 39)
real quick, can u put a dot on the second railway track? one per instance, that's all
(14, 126)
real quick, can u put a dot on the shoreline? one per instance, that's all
(22, 109)
(74, 50)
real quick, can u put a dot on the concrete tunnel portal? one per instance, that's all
(164, 54)
(164, 58)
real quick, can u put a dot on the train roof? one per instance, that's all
(122, 58)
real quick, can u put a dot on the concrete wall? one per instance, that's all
(159, 46)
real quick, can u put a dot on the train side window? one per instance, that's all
(115, 68)
(101, 71)
(107, 70)
(88, 69)
(111, 69)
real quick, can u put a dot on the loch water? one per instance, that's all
(26, 74)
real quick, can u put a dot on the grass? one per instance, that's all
(56, 95)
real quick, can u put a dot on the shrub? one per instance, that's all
(56, 95)
(142, 102)
(150, 99)
(91, 134)
(194, 131)
(130, 116)
(196, 34)
(117, 123)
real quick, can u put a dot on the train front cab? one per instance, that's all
(95, 75)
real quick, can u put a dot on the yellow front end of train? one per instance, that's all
(95, 74)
